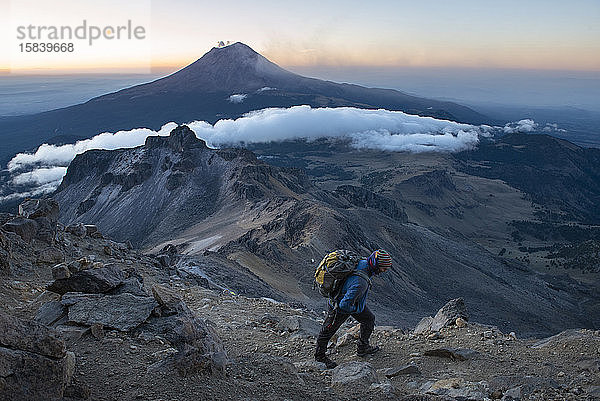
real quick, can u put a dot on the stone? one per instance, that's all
(34, 208)
(448, 314)
(90, 229)
(51, 255)
(91, 281)
(435, 336)
(77, 229)
(385, 389)
(26, 376)
(23, 227)
(71, 334)
(310, 366)
(34, 364)
(400, 370)
(345, 339)
(458, 389)
(30, 336)
(512, 394)
(46, 230)
(168, 299)
(300, 326)
(199, 348)
(424, 325)
(108, 250)
(354, 374)
(61, 271)
(457, 354)
(50, 312)
(97, 330)
(122, 312)
(132, 286)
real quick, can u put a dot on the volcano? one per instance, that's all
(203, 91)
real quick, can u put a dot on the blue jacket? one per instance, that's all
(353, 296)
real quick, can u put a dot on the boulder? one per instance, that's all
(25, 228)
(199, 348)
(90, 281)
(424, 325)
(456, 354)
(34, 208)
(168, 300)
(77, 229)
(30, 336)
(354, 374)
(90, 229)
(447, 316)
(34, 364)
(122, 312)
(51, 255)
(300, 326)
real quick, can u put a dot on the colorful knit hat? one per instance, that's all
(379, 259)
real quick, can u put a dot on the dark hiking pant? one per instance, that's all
(335, 318)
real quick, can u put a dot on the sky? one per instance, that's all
(533, 34)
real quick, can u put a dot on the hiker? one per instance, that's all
(351, 301)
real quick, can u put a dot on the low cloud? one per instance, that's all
(237, 98)
(526, 125)
(370, 129)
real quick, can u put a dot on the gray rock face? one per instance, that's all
(360, 374)
(25, 228)
(34, 364)
(122, 312)
(91, 281)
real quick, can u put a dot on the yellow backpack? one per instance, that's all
(333, 271)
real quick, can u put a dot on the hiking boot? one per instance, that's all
(328, 362)
(364, 350)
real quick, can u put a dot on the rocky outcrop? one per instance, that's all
(34, 364)
(199, 348)
(453, 313)
(88, 278)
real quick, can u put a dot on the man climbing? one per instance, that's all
(352, 302)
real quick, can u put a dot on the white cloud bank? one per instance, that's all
(371, 129)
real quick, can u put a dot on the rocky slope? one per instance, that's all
(273, 221)
(200, 340)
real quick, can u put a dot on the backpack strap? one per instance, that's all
(364, 275)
